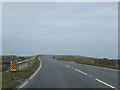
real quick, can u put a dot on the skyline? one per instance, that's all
(86, 29)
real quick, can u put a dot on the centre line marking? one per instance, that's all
(81, 72)
(91, 77)
(67, 66)
(105, 83)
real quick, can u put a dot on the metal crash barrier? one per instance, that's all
(15, 65)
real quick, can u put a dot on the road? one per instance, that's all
(61, 74)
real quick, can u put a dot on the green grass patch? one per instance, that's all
(91, 61)
(0, 80)
(12, 79)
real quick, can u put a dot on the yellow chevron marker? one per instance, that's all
(13, 65)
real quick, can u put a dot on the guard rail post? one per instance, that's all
(24, 63)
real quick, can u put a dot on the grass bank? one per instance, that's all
(12, 79)
(0, 80)
(108, 63)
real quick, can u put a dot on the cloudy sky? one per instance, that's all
(87, 29)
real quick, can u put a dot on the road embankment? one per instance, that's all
(12, 79)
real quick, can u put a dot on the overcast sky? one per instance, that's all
(87, 29)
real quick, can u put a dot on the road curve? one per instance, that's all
(61, 74)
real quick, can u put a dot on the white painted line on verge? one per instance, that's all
(37, 69)
(33, 74)
(105, 83)
(100, 67)
(81, 71)
(24, 84)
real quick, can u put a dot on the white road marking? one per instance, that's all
(32, 75)
(57, 62)
(67, 66)
(105, 83)
(81, 71)
(90, 75)
(100, 67)
(24, 84)
(71, 62)
(74, 69)
(60, 63)
(37, 69)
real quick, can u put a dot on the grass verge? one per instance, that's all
(0, 80)
(12, 79)
(113, 64)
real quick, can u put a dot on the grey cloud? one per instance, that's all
(60, 28)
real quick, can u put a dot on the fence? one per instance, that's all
(23, 64)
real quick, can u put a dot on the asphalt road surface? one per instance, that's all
(64, 74)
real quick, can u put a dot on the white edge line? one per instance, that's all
(105, 83)
(33, 74)
(37, 69)
(81, 71)
(100, 67)
(24, 84)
